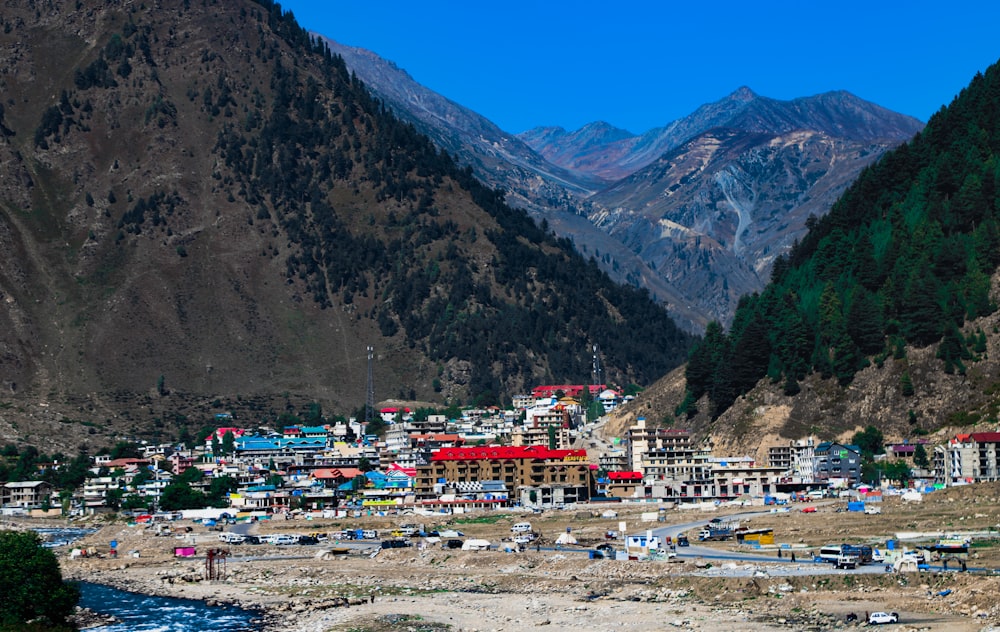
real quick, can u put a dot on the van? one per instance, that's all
(369, 534)
(284, 539)
(816, 493)
(521, 527)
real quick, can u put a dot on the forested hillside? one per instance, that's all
(902, 261)
(200, 206)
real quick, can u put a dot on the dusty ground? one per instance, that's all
(562, 590)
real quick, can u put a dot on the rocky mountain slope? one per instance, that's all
(694, 211)
(551, 193)
(201, 209)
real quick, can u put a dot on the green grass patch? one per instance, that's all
(488, 519)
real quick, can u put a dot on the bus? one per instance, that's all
(830, 553)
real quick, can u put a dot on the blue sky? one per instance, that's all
(643, 64)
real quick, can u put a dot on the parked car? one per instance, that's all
(521, 527)
(282, 539)
(876, 618)
(523, 538)
(251, 539)
(682, 540)
(232, 538)
(605, 547)
(808, 510)
(308, 539)
(451, 544)
(395, 544)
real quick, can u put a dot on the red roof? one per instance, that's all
(492, 452)
(409, 471)
(337, 473)
(986, 437)
(625, 476)
(570, 390)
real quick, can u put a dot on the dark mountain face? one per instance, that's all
(697, 230)
(199, 203)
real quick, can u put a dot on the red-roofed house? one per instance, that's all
(548, 476)
(336, 476)
(622, 485)
(569, 390)
(968, 458)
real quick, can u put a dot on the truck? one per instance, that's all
(846, 561)
(862, 552)
(715, 531)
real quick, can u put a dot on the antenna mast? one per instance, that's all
(598, 373)
(370, 394)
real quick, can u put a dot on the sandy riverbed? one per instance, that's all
(445, 590)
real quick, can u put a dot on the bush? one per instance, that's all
(31, 583)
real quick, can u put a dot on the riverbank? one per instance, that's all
(301, 590)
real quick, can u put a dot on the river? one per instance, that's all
(144, 613)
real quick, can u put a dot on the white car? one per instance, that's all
(876, 618)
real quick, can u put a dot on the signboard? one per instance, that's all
(843, 454)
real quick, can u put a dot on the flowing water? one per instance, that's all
(143, 613)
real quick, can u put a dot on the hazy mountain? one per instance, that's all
(613, 156)
(201, 209)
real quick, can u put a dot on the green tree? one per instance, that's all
(31, 583)
(906, 384)
(228, 443)
(126, 450)
(870, 441)
(180, 495)
(920, 456)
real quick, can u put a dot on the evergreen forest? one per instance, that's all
(903, 259)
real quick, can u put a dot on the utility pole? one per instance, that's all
(370, 394)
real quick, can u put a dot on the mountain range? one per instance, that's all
(203, 210)
(695, 211)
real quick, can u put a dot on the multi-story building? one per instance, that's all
(836, 462)
(550, 474)
(662, 453)
(795, 458)
(968, 458)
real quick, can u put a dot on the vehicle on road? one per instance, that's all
(877, 618)
(232, 538)
(682, 540)
(846, 561)
(308, 539)
(282, 539)
(395, 544)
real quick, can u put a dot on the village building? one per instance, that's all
(25, 494)
(550, 474)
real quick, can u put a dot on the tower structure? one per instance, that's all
(370, 390)
(597, 372)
